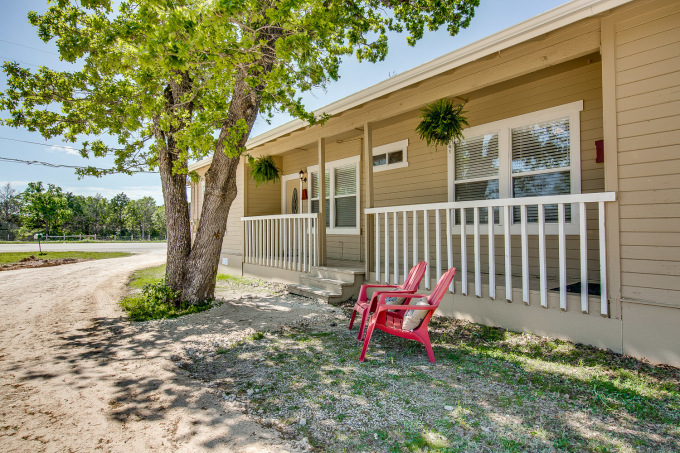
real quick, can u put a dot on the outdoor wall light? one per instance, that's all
(303, 178)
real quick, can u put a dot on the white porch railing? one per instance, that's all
(514, 216)
(289, 241)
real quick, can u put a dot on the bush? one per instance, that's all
(157, 301)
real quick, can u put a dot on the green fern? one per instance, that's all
(442, 122)
(263, 169)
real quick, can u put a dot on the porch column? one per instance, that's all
(322, 201)
(368, 195)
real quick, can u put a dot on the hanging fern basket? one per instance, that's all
(263, 169)
(442, 122)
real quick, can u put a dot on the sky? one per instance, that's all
(19, 42)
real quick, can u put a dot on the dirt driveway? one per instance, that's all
(76, 376)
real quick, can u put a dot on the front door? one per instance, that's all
(293, 202)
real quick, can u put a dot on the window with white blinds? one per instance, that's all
(531, 155)
(342, 195)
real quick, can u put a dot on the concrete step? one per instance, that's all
(335, 273)
(328, 284)
(316, 293)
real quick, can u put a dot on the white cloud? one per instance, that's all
(62, 149)
(134, 192)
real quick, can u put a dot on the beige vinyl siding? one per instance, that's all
(425, 178)
(233, 238)
(263, 199)
(648, 128)
(574, 41)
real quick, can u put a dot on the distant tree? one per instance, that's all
(117, 207)
(159, 221)
(10, 208)
(141, 213)
(43, 208)
(96, 208)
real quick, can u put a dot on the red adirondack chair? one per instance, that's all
(389, 318)
(364, 307)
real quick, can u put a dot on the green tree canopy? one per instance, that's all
(44, 208)
(174, 80)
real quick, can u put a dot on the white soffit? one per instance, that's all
(544, 23)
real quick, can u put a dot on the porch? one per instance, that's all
(541, 251)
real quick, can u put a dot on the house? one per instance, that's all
(573, 150)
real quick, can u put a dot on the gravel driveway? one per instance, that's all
(77, 376)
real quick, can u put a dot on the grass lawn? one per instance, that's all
(15, 257)
(490, 390)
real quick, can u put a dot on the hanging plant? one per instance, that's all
(442, 122)
(263, 169)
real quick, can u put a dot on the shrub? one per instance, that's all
(157, 301)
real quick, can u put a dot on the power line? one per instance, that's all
(38, 143)
(28, 47)
(18, 61)
(38, 162)
(51, 165)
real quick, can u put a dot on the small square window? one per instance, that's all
(395, 157)
(392, 155)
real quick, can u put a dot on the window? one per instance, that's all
(531, 155)
(342, 195)
(390, 156)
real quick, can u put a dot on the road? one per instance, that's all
(75, 375)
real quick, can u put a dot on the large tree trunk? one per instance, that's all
(220, 192)
(176, 220)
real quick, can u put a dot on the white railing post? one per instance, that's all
(463, 253)
(492, 254)
(449, 245)
(387, 248)
(415, 237)
(604, 307)
(478, 259)
(377, 246)
(438, 242)
(525, 254)
(507, 222)
(562, 256)
(396, 249)
(542, 271)
(584, 257)
(405, 230)
(426, 247)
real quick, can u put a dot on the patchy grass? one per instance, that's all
(154, 301)
(490, 390)
(15, 257)
(143, 277)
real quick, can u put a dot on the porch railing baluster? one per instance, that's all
(584, 257)
(562, 256)
(377, 247)
(508, 252)
(542, 271)
(463, 252)
(478, 258)
(426, 246)
(525, 254)
(449, 245)
(387, 248)
(604, 308)
(396, 248)
(438, 241)
(492, 253)
(405, 229)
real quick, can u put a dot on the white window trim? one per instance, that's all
(503, 128)
(401, 145)
(330, 166)
(284, 179)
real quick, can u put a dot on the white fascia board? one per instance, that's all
(544, 23)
